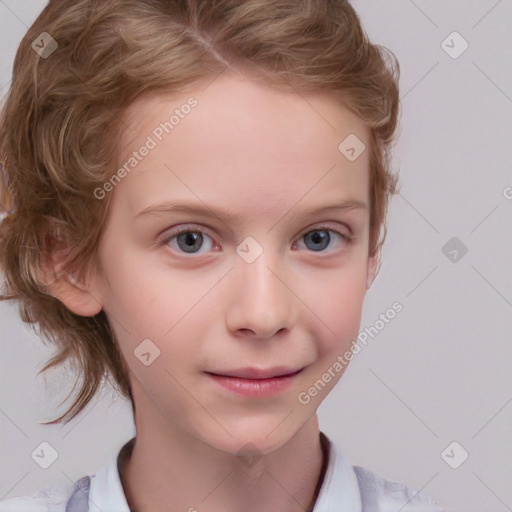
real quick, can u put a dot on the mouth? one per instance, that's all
(258, 373)
(254, 381)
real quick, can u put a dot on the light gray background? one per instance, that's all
(440, 371)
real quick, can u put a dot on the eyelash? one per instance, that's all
(167, 237)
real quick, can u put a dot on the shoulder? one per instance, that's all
(380, 495)
(52, 498)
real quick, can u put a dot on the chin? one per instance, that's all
(259, 438)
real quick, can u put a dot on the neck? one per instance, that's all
(173, 472)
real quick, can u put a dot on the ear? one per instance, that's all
(372, 268)
(82, 297)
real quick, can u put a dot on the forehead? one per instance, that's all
(242, 143)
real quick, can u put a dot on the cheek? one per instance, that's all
(146, 300)
(337, 300)
(130, 298)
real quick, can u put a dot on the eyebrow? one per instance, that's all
(223, 214)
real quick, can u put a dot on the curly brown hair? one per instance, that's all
(61, 123)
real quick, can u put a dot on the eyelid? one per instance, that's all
(170, 233)
(327, 225)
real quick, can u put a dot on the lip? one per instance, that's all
(256, 382)
(258, 373)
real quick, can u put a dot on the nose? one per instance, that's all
(261, 302)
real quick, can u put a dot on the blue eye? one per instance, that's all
(187, 240)
(318, 239)
(190, 241)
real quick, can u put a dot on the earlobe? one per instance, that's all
(81, 298)
(74, 295)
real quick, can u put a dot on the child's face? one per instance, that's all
(265, 158)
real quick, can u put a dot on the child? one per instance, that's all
(258, 133)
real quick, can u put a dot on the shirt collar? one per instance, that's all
(340, 488)
(106, 493)
(339, 491)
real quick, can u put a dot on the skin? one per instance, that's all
(265, 156)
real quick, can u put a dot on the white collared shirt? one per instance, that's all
(345, 488)
(339, 491)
